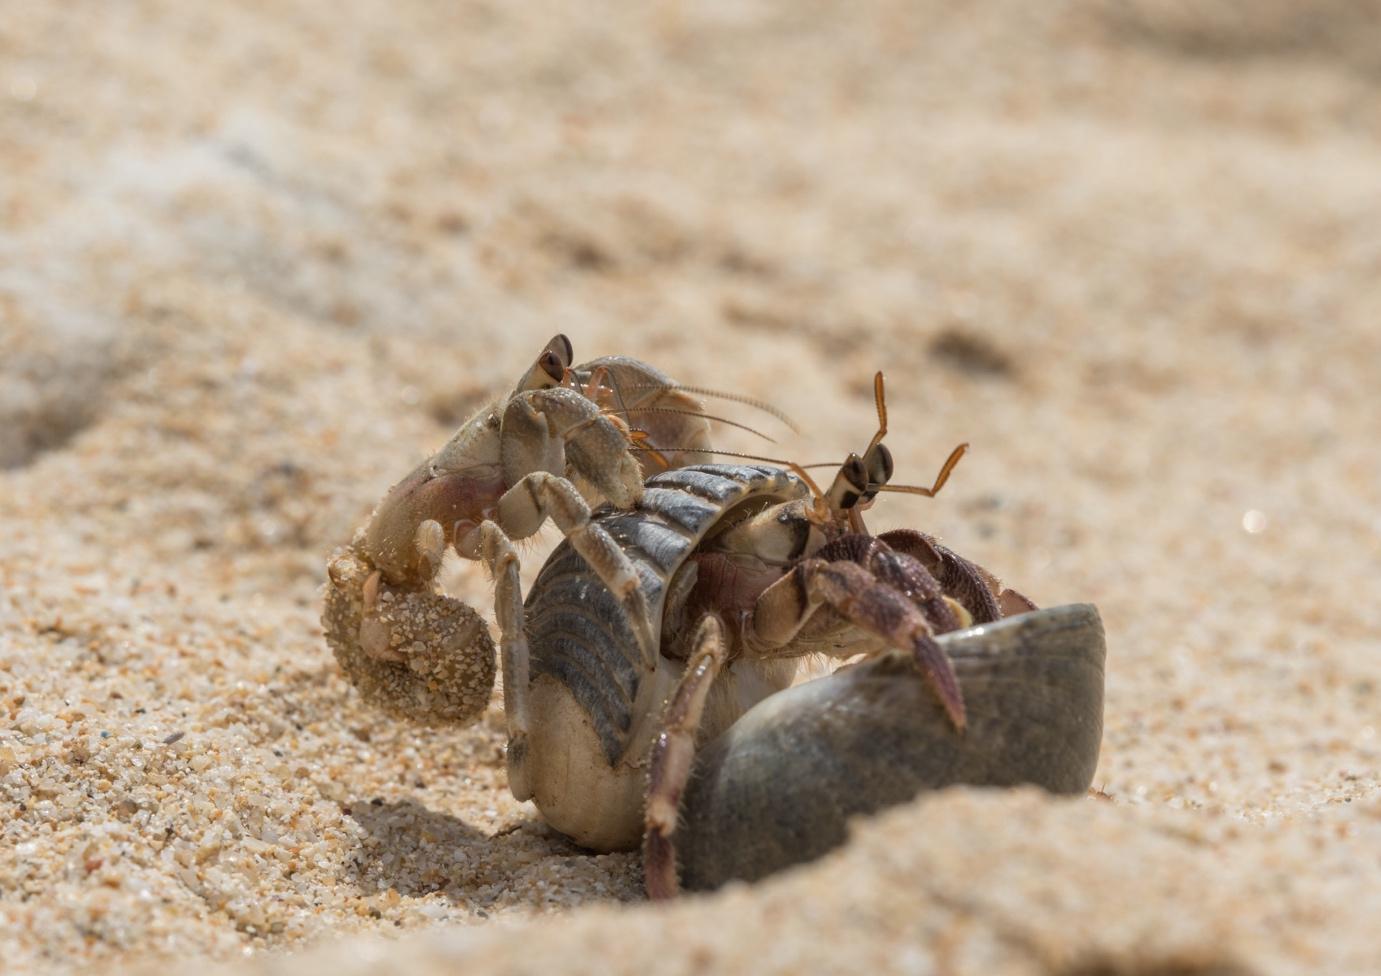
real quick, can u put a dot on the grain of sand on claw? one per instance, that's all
(416, 653)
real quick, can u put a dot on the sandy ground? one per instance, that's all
(258, 259)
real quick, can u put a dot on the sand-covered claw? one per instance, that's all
(415, 653)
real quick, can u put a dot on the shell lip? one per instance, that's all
(1063, 618)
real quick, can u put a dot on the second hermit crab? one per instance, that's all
(558, 446)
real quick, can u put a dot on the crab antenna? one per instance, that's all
(602, 375)
(815, 491)
(692, 413)
(765, 407)
(880, 398)
(791, 466)
(640, 437)
(940, 478)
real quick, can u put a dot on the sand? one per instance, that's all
(257, 260)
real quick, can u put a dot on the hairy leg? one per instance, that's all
(969, 583)
(903, 573)
(856, 595)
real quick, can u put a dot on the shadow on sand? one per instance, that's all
(415, 852)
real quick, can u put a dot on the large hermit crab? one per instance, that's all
(559, 445)
(744, 569)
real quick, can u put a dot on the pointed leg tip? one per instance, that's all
(939, 673)
(951, 700)
(659, 867)
(957, 716)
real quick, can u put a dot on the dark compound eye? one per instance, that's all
(561, 346)
(550, 363)
(879, 464)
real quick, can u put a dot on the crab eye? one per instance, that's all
(556, 358)
(550, 363)
(550, 368)
(560, 346)
(879, 465)
(492, 421)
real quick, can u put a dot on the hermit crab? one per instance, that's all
(559, 445)
(743, 570)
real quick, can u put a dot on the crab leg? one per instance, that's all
(903, 573)
(525, 508)
(495, 548)
(558, 429)
(861, 598)
(672, 756)
(978, 590)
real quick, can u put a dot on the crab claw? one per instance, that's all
(404, 537)
(413, 652)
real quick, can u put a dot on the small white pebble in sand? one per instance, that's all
(1253, 521)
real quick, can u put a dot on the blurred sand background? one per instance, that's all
(257, 259)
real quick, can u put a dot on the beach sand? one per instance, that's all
(257, 260)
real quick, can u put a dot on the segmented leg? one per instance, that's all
(970, 584)
(903, 573)
(496, 550)
(673, 754)
(856, 595)
(560, 430)
(539, 496)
